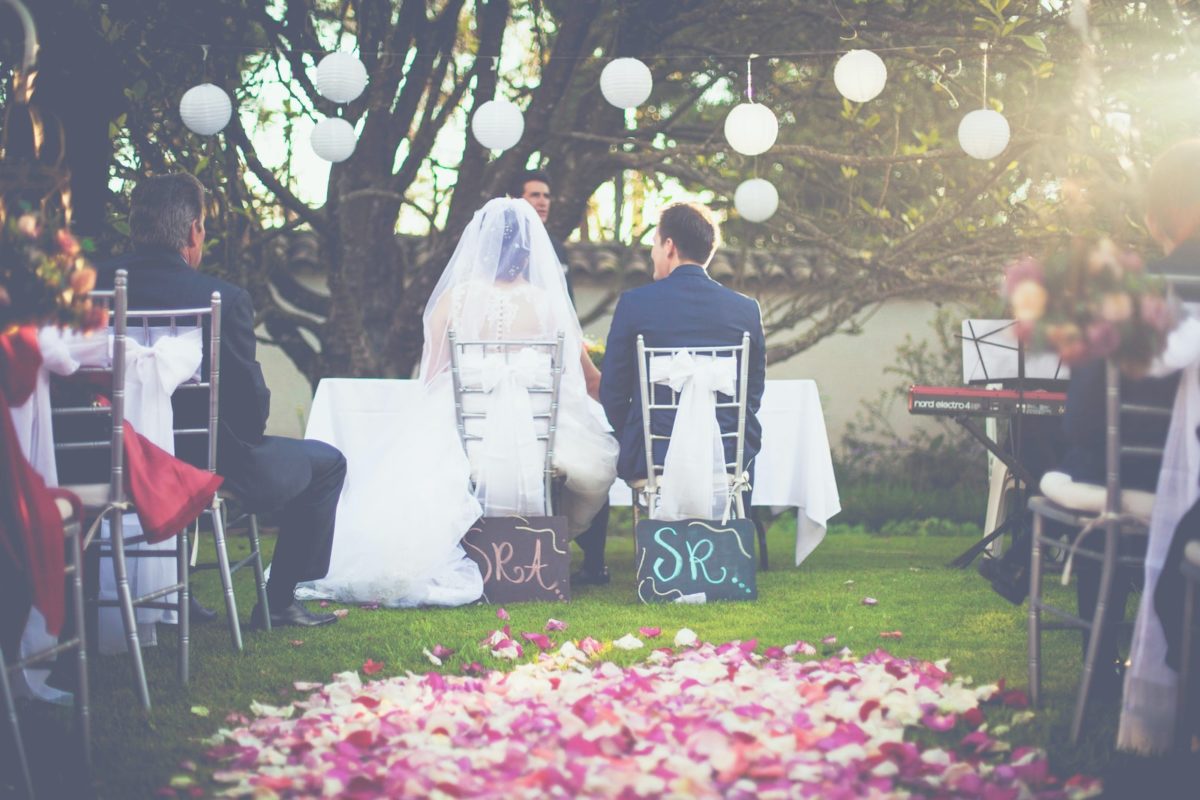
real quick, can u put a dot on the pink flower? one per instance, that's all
(540, 639)
(67, 243)
(1021, 270)
(1130, 261)
(29, 225)
(1102, 339)
(1116, 307)
(555, 625)
(650, 633)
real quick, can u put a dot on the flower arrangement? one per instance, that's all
(595, 350)
(45, 276)
(1091, 299)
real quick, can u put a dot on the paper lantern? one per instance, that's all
(341, 77)
(626, 82)
(205, 109)
(756, 200)
(333, 139)
(751, 128)
(860, 75)
(498, 124)
(983, 133)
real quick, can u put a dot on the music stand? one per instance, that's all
(992, 352)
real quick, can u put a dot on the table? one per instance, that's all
(794, 468)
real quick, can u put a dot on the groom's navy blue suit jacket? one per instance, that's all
(685, 309)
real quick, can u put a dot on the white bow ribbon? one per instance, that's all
(509, 476)
(151, 376)
(694, 481)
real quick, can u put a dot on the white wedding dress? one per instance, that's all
(398, 531)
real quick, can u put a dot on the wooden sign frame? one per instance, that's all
(522, 559)
(694, 556)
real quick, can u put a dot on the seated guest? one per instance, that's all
(683, 307)
(299, 480)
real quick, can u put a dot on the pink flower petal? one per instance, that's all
(650, 633)
(891, 634)
(501, 613)
(371, 667)
(341, 612)
(589, 645)
(829, 640)
(555, 625)
(869, 601)
(441, 651)
(540, 639)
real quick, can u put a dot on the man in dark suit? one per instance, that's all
(300, 480)
(683, 307)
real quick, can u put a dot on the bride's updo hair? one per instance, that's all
(513, 263)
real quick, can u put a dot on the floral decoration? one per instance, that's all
(45, 277)
(1091, 299)
(595, 350)
(694, 721)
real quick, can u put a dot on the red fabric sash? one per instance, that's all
(167, 493)
(31, 528)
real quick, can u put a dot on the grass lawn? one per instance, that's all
(943, 613)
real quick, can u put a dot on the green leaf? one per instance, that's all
(1033, 43)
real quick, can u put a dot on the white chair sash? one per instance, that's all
(694, 481)
(63, 352)
(151, 376)
(511, 460)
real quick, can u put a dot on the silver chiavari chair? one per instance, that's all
(545, 418)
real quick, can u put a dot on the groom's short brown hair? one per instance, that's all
(693, 230)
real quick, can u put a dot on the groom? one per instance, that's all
(684, 307)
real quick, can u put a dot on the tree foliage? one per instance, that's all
(880, 192)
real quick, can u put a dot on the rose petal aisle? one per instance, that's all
(696, 721)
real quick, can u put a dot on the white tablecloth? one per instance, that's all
(793, 469)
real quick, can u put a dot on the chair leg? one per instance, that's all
(235, 628)
(1183, 734)
(634, 505)
(1097, 629)
(260, 577)
(761, 530)
(1035, 614)
(83, 719)
(125, 601)
(15, 725)
(185, 606)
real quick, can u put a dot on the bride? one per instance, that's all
(397, 540)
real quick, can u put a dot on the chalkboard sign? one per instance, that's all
(694, 556)
(521, 558)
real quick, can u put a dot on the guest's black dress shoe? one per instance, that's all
(295, 614)
(591, 577)
(1010, 583)
(198, 614)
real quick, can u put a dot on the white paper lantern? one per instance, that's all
(205, 109)
(756, 200)
(983, 133)
(333, 139)
(751, 128)
(341, 77)
(626, 82)
(498, 124)
(860, 75)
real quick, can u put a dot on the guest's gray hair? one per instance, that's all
(162, 209)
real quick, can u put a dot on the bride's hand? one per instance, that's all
(591, 375)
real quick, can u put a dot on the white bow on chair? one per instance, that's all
(510, 474)
(151, 376)
(694, 481)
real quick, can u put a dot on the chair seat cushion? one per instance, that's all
(1089, 498)
(94, 496)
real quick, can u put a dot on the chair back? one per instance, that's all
(660, 401)
(470, 403)
(1115, 408)
(145, 327)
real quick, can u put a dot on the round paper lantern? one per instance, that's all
(498, 124)
(626, 82)
(860, 75)
(756, 200)
(983, 133)
(341, 77)
(205, 109)
(751, 128)
(333, 139)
